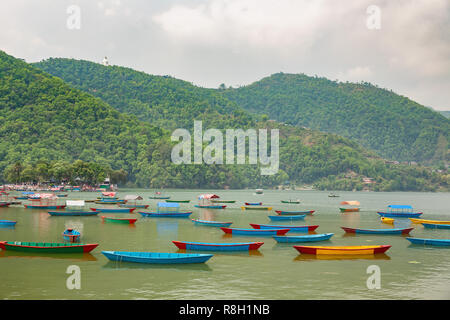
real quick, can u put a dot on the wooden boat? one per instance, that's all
(294, 213)
(291, 201)
(119, 220)
(222, 201)
(124, 205)
(166, 214)
(436, 225)
(206, 246)
(349, 209)
(205, 206)
(259, 191)
(256, 208)
(332, 195)
(28, 206)
(342, 250)
(387, 220)
(7, 223)
(21, 198)
(255, 232)
(306, 238)
(431, 242)
(159, 197)
(253, 203)
(211, 223)
(71, 235)
(114, 210)
(72, 213)
(179, 201)
(399, 211)
(287, 218)
(419, 221)
(47, 247)
(61, 195)
(291, 228)
(109, 201)
(156, 257)
(378, 231)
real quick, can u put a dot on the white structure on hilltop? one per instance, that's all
(105, 61)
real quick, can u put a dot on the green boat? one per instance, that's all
(47, 247)
(291, 201)
(223, 201)
(255, 208)
(179, 201)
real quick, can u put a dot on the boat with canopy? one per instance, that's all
(46, 201)
(399, 211)
(73, 208)
(166, 209)
(131, 202)
(205, 202)
(352, 206)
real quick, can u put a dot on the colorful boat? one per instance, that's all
(165, 214)
(55, 207)
(71, 235)
(7, 223)
(205, 206)
(378, 231)
(387, 220)
(259, 191)
(436, 225)
(72, 213)
(222, 201)
(352, 205)
(211, 223)
(306, 238)
(431, 242)
(278, 226)
(399, 211)
(291, 201)
(288, 218)
(113, 210)
(179, 201)
(61, 195)
(206, 246)
(156, 257)
(140, 206)
(256, 208)
(119, 220)
(419, 221)
(342, 250)
(253, 203)
(294, 213)
(349, 209)
(255, 232)
(4, 204)
(108, 201)
(47, 247)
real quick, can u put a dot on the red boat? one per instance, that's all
(29, 206)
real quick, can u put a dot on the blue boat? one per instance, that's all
(73, 213)
(71, 235)
(399, 211)
(436, 226)
(207, 246)
(284, 226)
(209, 206)
(165, 214)
(113, 210)
(255, 232)
(156, 257)
(211, 223)
(431, 242)
(7, 223)
(288, 218)
(306, 238)
(378, 231)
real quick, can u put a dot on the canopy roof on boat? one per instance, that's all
(208, 196)
(27, 192)
(75, 203)
(133, 197)
(109, 194)
(351, 203)
(45, 196)
(399, 206)
(168, 205)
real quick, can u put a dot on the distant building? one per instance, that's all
(105, 62)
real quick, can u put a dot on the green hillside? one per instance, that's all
(394, 126)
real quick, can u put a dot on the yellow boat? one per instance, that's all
(343, 250)
(420, 221)
(387, 220)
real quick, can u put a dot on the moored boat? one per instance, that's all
(47, 247)
(342, 250)
(399, 211)
(378, 231)
(156, 257)
(431, 242)
(210, 206)
(349, 209)
(140, 206)
(71, 235)
(290, 201)
(253, 203)
(119, 220)
(387, 220)
(113, 210)
(222, 201)
(72, 213)
(306, 238)
(287, 217)
(294, 213)
(255, 208)
(211, 223)
(7, 223)
(179, 201)
(278, 226)
(165, 214)
(55, 207)
(206, 246)
(419, 221)
(436, 225)
(256, 232)
(352, 206)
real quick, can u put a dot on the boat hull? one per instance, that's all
(294, 213)
(140, 206)
(342, 250)
(156, 257)
(43, 247)
(113, 210)
(287, 218)
(165, 214)
(436, 226)
(290, 202)
(255, 232)
(419, 221)
(72, 213)
(387, 220)
(28, 206)
(253, 203)
(256, 208)
(223, 201)
(203, 246)
(349, 209)
(210, 206)
(378, 231)
(431, 242)
(400, 215)
(291, 228)
(307, 238)
(179, 201)
(119, 220)
(7, 223)
(75, 236)
(211, 223)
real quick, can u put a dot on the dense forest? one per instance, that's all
(394, 126)
(46, 122)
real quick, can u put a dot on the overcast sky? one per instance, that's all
(236, 42)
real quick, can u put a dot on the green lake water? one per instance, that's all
(275, 271)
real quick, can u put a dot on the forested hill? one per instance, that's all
(163, 100)
(394, 126)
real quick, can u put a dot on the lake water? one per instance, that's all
(275, 271)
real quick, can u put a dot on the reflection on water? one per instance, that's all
(178, 266)
(250, 253)
(309, 257)
(36, 255)
(167, 228)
